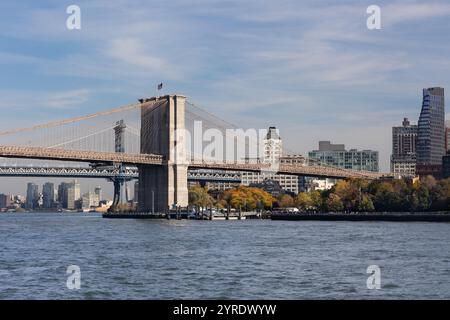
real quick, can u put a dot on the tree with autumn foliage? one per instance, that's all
(303, 201)
(334, 203)
(352, 195)
(247, 198)
(285, 201)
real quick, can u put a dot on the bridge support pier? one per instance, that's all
(118, 192)
(162, 188)
(120, 188)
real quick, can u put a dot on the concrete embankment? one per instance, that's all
(179, 216)
(144, 215)
(400, 217)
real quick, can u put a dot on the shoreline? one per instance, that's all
(282, 216)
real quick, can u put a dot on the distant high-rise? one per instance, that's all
(98, 192)
(431, 133)
(5, 201)
(32, 196)
(48, 195)
(447, 136)
(73, 194)
(404, 141)
(446, 166)
(62, 194)
(136, 191)
(89, 200)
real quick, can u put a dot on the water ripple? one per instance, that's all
(142, 259)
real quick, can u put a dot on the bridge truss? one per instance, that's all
(128, 173)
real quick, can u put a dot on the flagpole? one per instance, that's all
(159, 88)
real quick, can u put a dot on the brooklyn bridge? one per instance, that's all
(141, 141)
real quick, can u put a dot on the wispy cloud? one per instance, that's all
(25, 100)
(409, 12)
(67, 99)
(132, 54)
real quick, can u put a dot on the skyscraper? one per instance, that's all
(431, 133)
(32, 196)
(73, 194)
(5, 201)
(48, 195)
(404, 140)
(89, 200)
(98, 192)
(62, 194)
(447, 136)
(446, 166)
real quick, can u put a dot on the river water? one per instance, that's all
(252, 259)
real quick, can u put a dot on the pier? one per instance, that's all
(182, 215)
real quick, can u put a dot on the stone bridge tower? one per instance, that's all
(163, 187)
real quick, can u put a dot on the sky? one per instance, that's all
(311, 68)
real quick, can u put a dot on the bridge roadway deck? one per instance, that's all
(78, 155)
(153, 159)
(299, 170)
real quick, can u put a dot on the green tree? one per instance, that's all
(403, 192)
(440, 196)
(334, 203)
(428, 181)
(421, 200)
(303, 201)
(366, 204)
(349, 193)
(386, 199)
(200, 197)
(316, 200)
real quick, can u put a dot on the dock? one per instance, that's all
(180, 215)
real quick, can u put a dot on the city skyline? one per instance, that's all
(50, 195)
(367, 159)
(371, 79)
(18, 185)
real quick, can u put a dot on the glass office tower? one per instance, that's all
(431, 133)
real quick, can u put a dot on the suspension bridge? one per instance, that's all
(148, 141)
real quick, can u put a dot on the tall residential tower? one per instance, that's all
(32, 196)
(431, 133)
(48, 195)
